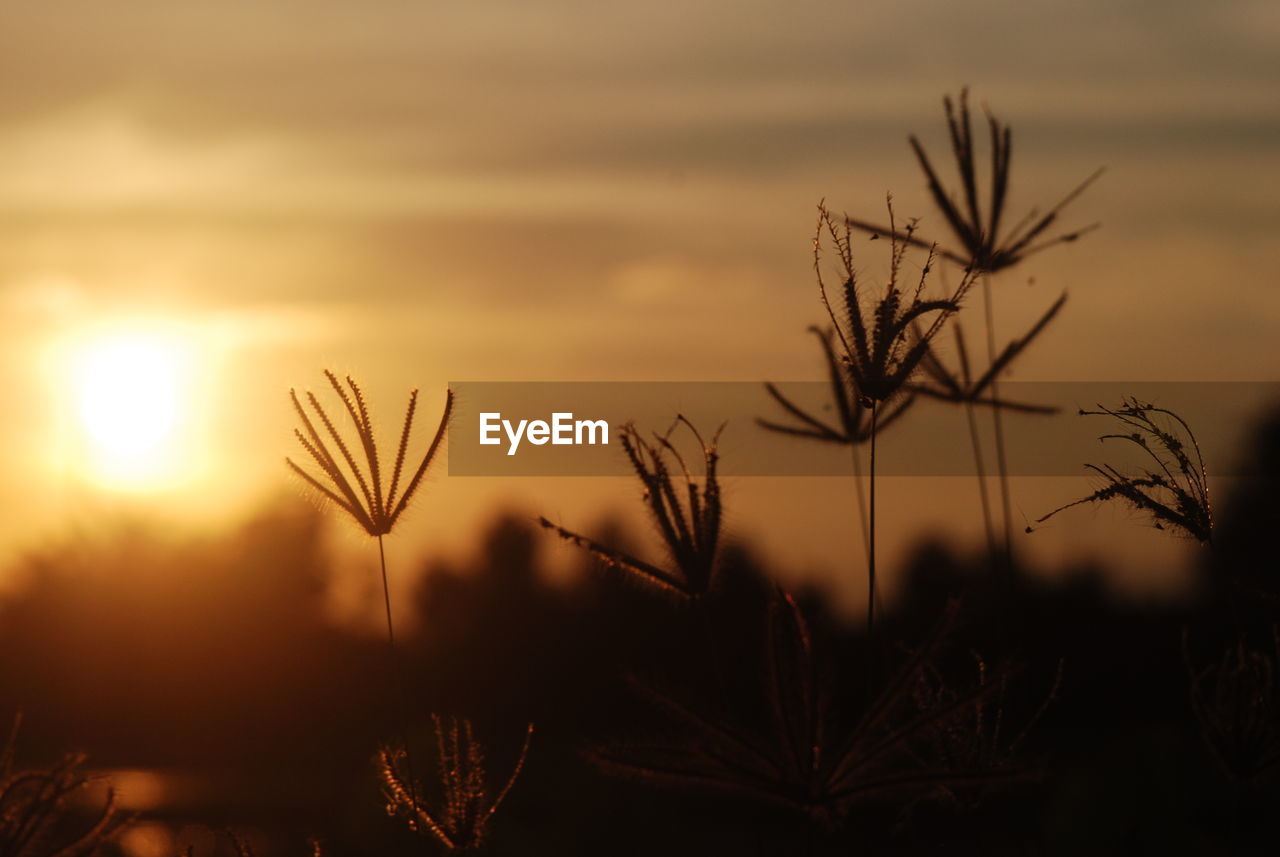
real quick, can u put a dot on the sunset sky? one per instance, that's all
(429, 192)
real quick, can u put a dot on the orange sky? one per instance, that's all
(422, 192)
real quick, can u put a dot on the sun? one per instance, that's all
(130, 389)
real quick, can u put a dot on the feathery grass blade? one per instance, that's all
(818, 428)
(370, 445)
(403, 448)
(1017, 346)
(617, 558)
(689, 528)
(346, 455)
(426, 460)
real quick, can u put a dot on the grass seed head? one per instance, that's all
(461, 818)
(353, 481)
(983, 247)
(854, 417)
(961, 387)
(1173, 489)
(883, 340)
(685, 509)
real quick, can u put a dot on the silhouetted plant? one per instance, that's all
(984, 738)
(35, 820)
(373, 509)
(811, 759)
(982, 246)
(689, 528)
(877, 341)
(882, 344)
(1176, 492)
(1237, 706)
(467, 804)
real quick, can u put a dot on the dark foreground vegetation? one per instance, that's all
(1097, 727)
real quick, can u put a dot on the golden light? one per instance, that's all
(130, 388)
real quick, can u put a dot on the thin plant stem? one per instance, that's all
(997, 419)
(398, 667)
(871, 541)
(386, 593)
(982, 478)
(861, 498)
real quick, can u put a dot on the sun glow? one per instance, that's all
(131, 406)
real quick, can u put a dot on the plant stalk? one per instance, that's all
(386, 593)
(997, 418)
(397, 666)
(979, 463)
(871, 540)
(861, 498)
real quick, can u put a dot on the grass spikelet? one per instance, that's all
(373, 511)
(686, 514)
(467, 805)
(881, 355)
(982, 246)
(1174, 491)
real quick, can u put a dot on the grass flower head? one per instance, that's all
(977, 225)
(1174, 490)
(360, 488)
(689, 527)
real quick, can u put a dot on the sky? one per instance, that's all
(427, 192)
